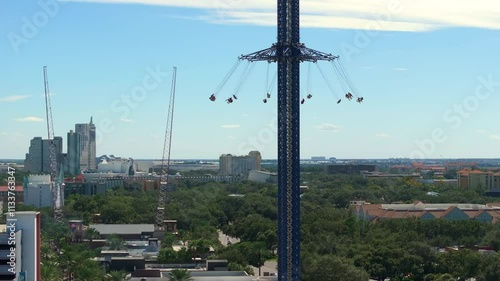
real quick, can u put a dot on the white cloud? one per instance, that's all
(231, 126)
(383, 136)
(495, 137)
(231, 137)
(29, 119)
(11, 134)
(490, 135)
(328, 127)
(400, 69)
(125, 120)
(406, 15)
(14, 98)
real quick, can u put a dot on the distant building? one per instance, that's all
(33, 161)
(123, 166)
(460, 166)
(211, 178)
(400, 168)
(351, 169)
(37, 191)
(125, 231)
(239, 165)
(93, 186)
(99, 183)
(452, 182)
(489, 213)
(477, 179)
(262, 176)
(72, 159)
(421, 167)
(37, 159)
(387, 175)
(318, 158)
(87, 134)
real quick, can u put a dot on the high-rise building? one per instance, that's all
(87, 134)
(37, 159)
(33, 160)
(72, 160)
(239, 165)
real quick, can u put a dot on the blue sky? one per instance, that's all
(416, 63)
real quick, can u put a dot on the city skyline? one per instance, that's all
(426, 80)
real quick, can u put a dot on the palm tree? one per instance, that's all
(91, 233)
(117, 276)
(89, 271)
(179, 275)
(50, 271)
(47, 252)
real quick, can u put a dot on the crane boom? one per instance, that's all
(56, 187)
(165, 161)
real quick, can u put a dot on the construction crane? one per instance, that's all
(165, 160)
(56, 185)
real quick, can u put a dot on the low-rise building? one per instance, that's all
(350, 169)
(125, 231)
(262, 176)
(37, 191)
(453, 211)
(488, 181)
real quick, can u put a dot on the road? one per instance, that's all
(223, 238)
(269, 266)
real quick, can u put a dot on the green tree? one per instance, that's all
(115, 242)
(167, 255)
(491, 271)
(199, 247)
(332, 268)
(179, 275)
(445, 277)
(89, 270)
(168, 240)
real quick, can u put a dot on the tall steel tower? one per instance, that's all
(288, 52)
